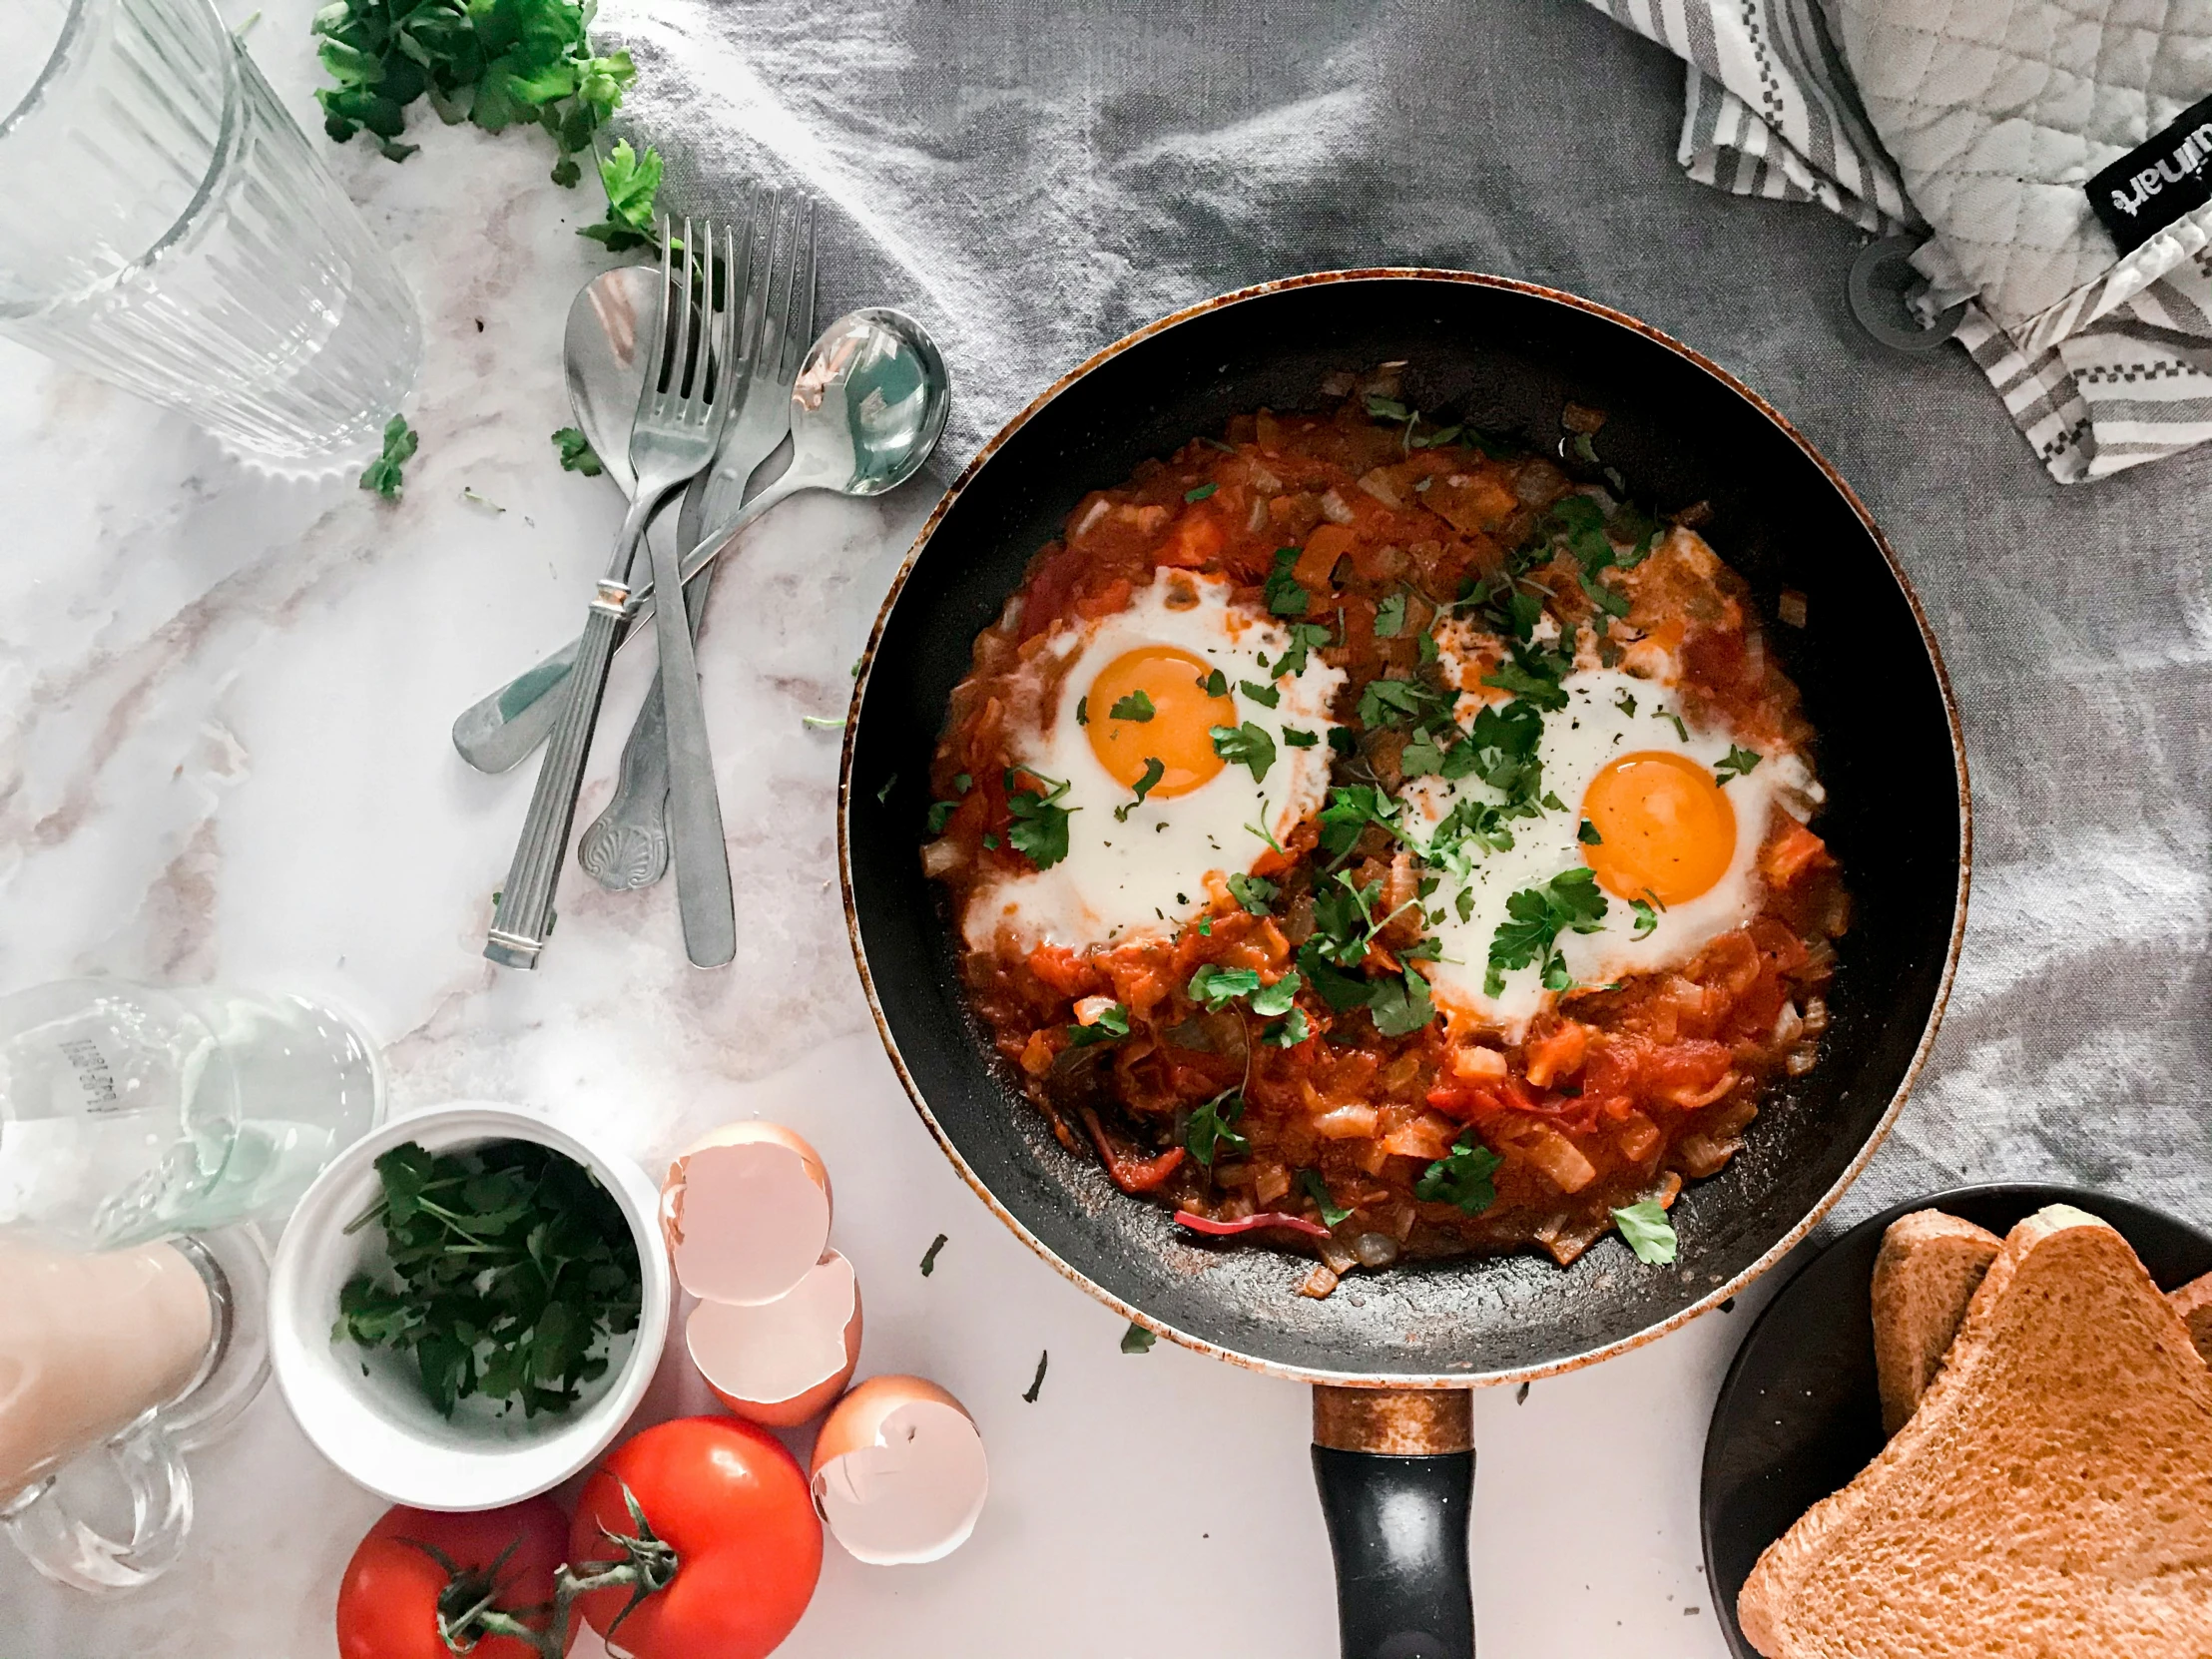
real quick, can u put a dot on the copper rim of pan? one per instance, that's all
(1455, 1379)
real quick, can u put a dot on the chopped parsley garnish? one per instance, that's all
(1589, 835)
(1648, 1232)
(1736, 763)
(1389, 616)
(1136, 706)
(383, 473)
(1317, 1189)
(1293, 1028)
(1397, 702)
(1305, 637)
(1082, 711)
(1246, 745)
(576, 452)
(1040, 827)
(1218, 986)
(1137, 1339)
(1350, 810)
(1284, 595)
(1261, 830)
(1296, 737)
(1535, 673)
(1154, 770)
(1626, 703)
(1461, 1176)
(1569, 902)
(1266, 696)
(1680, 731)
(1111, 1024)
(1215, 684)
(1252, 891)
(1342, 741)
(1209, 1128)
(1389, 408)
(940, 815)
(1037, 1383)
(930, 1256)
(1646, 917)
(1400, 1006)
(1200, 493)
(1277, 998)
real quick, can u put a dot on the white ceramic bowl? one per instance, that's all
(365, 1409)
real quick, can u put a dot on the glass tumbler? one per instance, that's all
(129, 1114)
(165, 225)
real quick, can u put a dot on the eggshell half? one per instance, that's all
(746, 1213)
(899, 1472)
(782, 1362)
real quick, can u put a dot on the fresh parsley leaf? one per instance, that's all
(1293, 1028)
(1154, 771)
(1388, 409)
(1217, 986)
(1534, 674)
(1200, 493)
(1209, 1128)
(1137, 1339)
(1317, 1189)
(1284, 594)
(940, 815)
(1136, 706)
(1738, 762)
(1681, 730)
(1247, 746)
(1305, 637)
(1266, 696)
(1342, 741)
(930, 1256)
(1277, 998)
(1648, 1232)
(1461, 1176)
(1040, 827)
(1296, 737)
(1111, 1025)
(1626, 703)
(1389, 616)
(1589, 835)
(383, 474)
(1400, 1006)
(1253, 892)
(1215, 684)
(576, 452)
(632, 181)
(1082, 711)
(1341, 990)
(1536, 916)
(1646, 917)
(1350, 808)
(1397, 702)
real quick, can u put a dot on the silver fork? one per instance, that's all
(688, 393)
(626, 847)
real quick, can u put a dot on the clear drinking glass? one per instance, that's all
(129, 1114)
(165, 225)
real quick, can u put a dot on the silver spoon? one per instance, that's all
(868, 407)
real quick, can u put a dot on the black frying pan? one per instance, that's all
(1506, 356)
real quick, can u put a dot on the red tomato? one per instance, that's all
(734, 1505)
(393, 1588)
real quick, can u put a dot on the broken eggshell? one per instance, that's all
(746, 1212)
(782, 1362)
(899, 1472)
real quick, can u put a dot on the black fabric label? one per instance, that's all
(2154, 184)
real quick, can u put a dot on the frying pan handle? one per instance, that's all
(1395, 1469)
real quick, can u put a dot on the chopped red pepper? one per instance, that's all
(1131, 1175)
(1245, 1224)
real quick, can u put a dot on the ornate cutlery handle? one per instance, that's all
(524, 915)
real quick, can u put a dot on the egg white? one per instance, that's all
(1146, 873)
(1577, 743)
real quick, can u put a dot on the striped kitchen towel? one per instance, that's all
(1980, 124)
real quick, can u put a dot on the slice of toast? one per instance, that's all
(2193, 1301)
(1926, 1274)
(2051, 1496)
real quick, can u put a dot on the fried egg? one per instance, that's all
(1666, 818)
(1188, 751)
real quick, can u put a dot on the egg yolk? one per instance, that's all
(1665, 829)
(1179, 733)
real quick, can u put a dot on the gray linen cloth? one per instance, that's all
(1034, 178)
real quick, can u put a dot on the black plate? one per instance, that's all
(1798, 1415)
(1509, 357)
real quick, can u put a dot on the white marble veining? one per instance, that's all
(224, 703)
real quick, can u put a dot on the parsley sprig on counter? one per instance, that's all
(510, 1267)
(495, 64)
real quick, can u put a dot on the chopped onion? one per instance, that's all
(1337, 509)
(1246, 1223)
(942, 858)
(1374, 1250)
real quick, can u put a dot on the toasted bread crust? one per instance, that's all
(1923, 1276)
(2052, 1496)
(2193, 1301)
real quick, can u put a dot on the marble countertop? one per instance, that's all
(223, 756)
